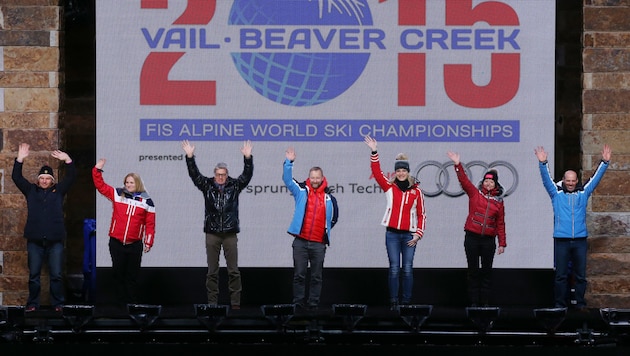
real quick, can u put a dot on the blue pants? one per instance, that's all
(396, 244)
(38, 252)
(305, 252)
(565, 250)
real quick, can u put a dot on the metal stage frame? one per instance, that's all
(338, 324)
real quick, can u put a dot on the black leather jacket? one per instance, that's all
(221, 205)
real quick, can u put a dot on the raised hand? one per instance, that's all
(188, 148)
(540, 153)
(371, 142)
(23, 151)
(246, 150)
(60, 155)
(290, 154)
(606, 152)
(454, 156)
(100, 164)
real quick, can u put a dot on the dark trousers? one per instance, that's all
(480, 251)
(307, 253)
(126, 261)
(229, 242)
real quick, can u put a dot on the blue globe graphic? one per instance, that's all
(299, 78)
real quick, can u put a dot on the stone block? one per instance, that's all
(612, 80)
(609, 40)
(615, 182)
(593, 142)
(606, 18)
(606, 100)
(25, 38)
(613, 121)
(617, 244)
(31, 17)
(13, 222)
(24, 79)
(39, 59)
(32, 99)
(26, 120)
(609, 285)
(606, 264)
(16, 263)
(39, 140)
(606, 224)
(608, 300)
(32, 2)
(611, 204)
(606, 60)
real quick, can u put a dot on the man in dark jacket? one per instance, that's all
(45, 230)
(221, 224)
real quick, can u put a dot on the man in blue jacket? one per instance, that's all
(570, 200)
(314, 216)
(45, 230)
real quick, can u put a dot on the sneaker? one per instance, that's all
(31, 308)
(58, 308)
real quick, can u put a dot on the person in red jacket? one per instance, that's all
(485, 222)
(404, 220)
(131, 231)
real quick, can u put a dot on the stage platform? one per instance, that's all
(340, 326)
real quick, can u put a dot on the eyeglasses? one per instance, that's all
(221, 174)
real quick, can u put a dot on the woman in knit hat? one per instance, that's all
(404, 220)
(484, 224)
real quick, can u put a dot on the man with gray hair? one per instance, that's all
(221, 223)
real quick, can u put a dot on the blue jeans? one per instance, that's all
(565, 250)
(38, 252)
(305, 252)
(396, 243)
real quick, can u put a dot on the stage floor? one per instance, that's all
(340, 325)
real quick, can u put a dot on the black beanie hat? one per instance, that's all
(492, 174)
(46, 170)
(401, 164)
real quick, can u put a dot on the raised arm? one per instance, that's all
(100, 164)
(188, 148)
(290, 154)
(454, 156)
(62, 156)
(23, 151)
(540, 154)
(606, 153)
(246, 150)
(371, 142)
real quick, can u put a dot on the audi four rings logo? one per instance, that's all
(445, 178)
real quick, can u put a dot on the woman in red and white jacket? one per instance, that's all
(131, 231)
(484, 225)
(404, 220)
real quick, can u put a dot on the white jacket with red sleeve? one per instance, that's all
(133, 215)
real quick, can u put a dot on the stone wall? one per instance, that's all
(31, 96)
(606, 119)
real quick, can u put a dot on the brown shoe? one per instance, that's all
(236, 307)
